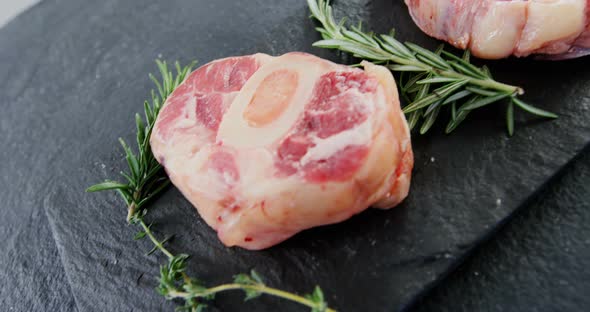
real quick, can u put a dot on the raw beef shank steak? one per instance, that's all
(494, 29)
(265, 146)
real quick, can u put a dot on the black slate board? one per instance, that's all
(82, 73)
(537, 262)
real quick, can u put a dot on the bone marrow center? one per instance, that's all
(272, 97)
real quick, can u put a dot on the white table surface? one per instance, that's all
(11, 8)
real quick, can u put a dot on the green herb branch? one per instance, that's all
(146, 178)
(175, 284)
(429, 80)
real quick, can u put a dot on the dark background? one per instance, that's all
(71, 71)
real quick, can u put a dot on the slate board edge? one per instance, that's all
(491, 233)
(61, 254)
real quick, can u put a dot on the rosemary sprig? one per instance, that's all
(429, 80)
(145, 179)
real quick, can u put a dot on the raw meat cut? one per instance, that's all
(265, 146)
(494, 29)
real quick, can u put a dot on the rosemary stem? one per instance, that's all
(485, 83)
(259, 288)
(133, 206)
(131, 211)
(156, 242)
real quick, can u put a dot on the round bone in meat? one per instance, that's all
(494, 29)
(265, 146)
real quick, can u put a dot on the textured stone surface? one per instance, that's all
(31, 273)
(73, 74)
(538, 262)
(32, 277)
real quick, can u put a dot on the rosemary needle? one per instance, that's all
(433, 80)
(145, 179)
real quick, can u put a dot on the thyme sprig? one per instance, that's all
(145, 179)
(176, 284)
(429, 80)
